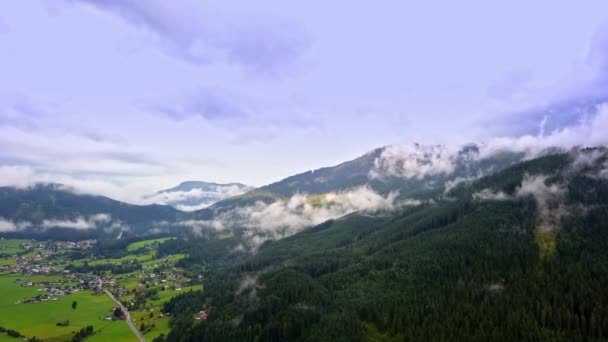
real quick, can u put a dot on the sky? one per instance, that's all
(125, 97)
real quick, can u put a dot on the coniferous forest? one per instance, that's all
(488, 261)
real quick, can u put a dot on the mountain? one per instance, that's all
(381, 180)
(57, 211)
(193, 195)
(411, 170)
(519, 254)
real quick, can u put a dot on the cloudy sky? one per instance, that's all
(125, 97)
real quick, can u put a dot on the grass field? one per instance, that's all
(40, 319)
(11, 246)
(141, 244)
(161, 325)
(141, 258)
(173, 258)
(5, 338)
(7, 261)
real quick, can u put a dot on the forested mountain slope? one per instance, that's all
(412, 171)
(518, 255)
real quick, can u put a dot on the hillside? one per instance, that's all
(410, 170)
(56, 211)
(521, 253)
(382, 180)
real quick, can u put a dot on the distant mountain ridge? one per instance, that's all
(412, 171)
(193, 195)
(191, 185)
(383, 179)
(377, 183)
(49, 209)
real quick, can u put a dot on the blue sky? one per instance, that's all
(126, 97)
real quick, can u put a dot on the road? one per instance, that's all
(139, 335)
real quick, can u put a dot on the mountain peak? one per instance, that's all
(191, 185)
(194, 195)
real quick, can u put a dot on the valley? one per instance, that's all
(289, 171)
(41, 281)
(497, 249)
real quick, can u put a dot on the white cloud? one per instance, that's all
(10, 226)
(195, 199)
(594, 162)
(537, 186)
(7, 226)
(198, 225)
(79, 223)
(248, 285)
(100, 218)
(282, 218)
(248, 282)
(451, 184)
(590, 131)
(196, 207)
(416, 161)
(413, 161)
(292, 215)
(548, 198)
(16, 175)
(604, 171)
(487, 194)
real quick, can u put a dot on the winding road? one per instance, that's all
(139, 335)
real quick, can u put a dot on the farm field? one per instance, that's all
(153, 308)
(152, 282)
(11, 246)
(5, 338)
(41, 319)
(141, 244)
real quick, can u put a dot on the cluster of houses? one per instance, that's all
(41, 261)
(32, 268)
(164, 281)
(59, 245)
(83, 244)
(52, 290)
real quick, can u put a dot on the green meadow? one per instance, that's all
(161, 325)
(141, 244)
(41, 319)
(11, 246)
(7, 262)
(117, 261)
(5, 338)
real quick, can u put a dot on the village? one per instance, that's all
(54, 289)
(48, 259)
(133, 283)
